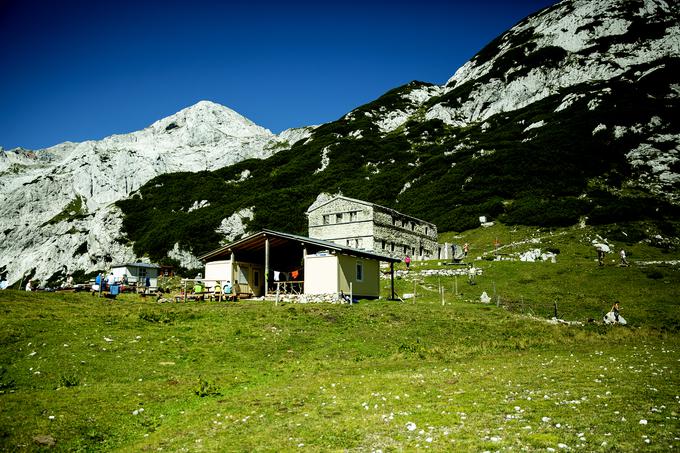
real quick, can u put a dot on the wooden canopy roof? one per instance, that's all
(285, 245)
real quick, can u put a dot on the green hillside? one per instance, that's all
(86, 374)
(570, 164)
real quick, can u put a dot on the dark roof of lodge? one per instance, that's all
(256, 241)
(147, 265)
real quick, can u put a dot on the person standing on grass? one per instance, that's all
(111, 280)
(472, 273)
(466, 249)
(29, 286)
(407, 260)
(600, 255)
(624, 261)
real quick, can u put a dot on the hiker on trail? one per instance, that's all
(466, 249)
(407, 260)
(624, 261)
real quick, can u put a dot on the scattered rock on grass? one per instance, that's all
(45, 440)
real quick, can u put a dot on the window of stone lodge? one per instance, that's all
(360, 271)
(353, 216)
(338, 218)
(326, 219)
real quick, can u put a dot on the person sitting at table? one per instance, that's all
(217, 291)
(198, 290)
(228, 291)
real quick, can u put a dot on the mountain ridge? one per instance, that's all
(535, 128)
(59, 199)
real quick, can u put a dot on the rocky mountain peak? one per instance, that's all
(60, 199)
(209, 116)
(572, 42)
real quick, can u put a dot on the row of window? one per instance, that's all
(341, 217)
(353, 216)
(407, 224)
(405, 249)
(357, 243)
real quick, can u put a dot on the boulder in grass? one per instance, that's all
(610, 318)
(484, 298)
(45, 440)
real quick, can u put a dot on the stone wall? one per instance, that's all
(330, 298)
(358, 224)
(344, 222)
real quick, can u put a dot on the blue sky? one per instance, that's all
(81, 70)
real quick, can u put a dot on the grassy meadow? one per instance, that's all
(441, 372)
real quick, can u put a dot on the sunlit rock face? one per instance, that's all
(58, 213)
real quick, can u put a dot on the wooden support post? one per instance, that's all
(392, 279)
(276, 302)
(185, 290)
(441, 290)
(351, 295)
(304, 262)
(266, 264)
